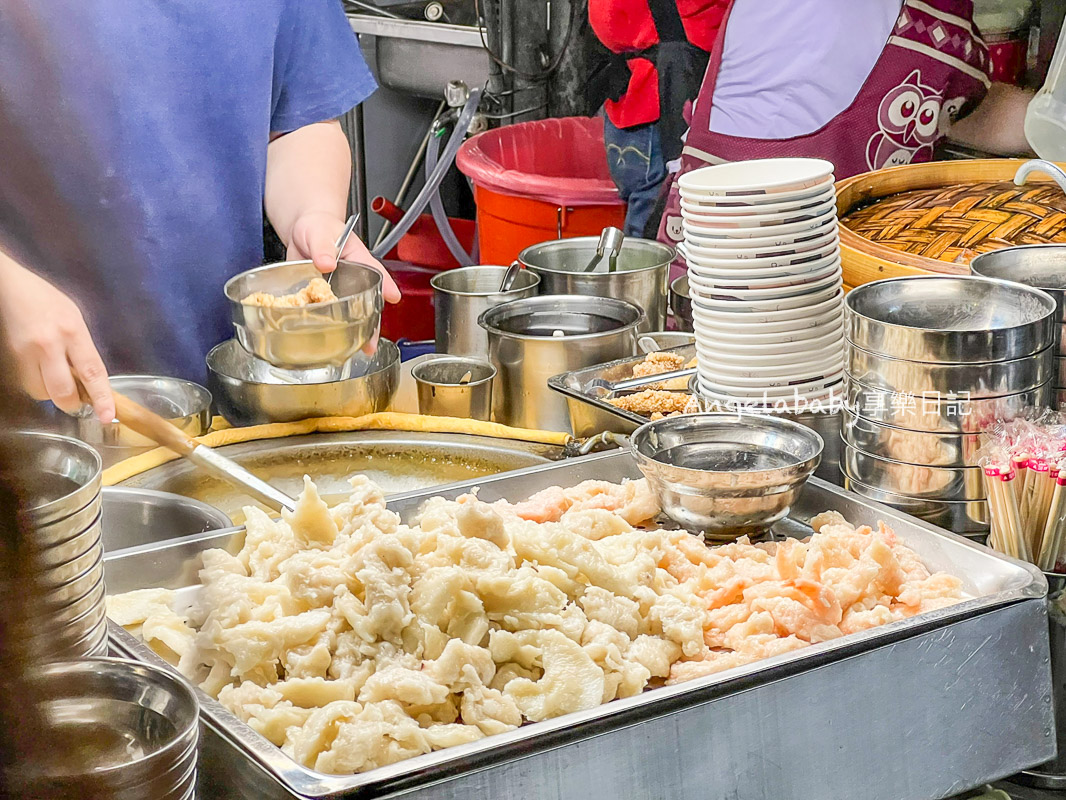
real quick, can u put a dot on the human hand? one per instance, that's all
(315, 235)
(53, 349)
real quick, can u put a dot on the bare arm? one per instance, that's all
(52, 346)
(996, 125)
(307, 179)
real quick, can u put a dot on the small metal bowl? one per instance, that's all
(316, 335)
(681, 303)
(140, 725)
(134, 517)
(949, 319)
(970, 379)
(184, 404)
(249, 391)
(726, 475)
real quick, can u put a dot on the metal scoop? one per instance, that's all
(610, 244)
(349, 226)
(147, 423)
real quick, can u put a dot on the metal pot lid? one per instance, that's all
(562, 316)
(573, 255)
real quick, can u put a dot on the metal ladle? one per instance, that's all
(610, 244)
(147, 423)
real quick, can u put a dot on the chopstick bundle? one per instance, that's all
(1024, 472)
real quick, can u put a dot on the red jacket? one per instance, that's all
(627, 26)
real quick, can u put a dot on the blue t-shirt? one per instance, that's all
(133, 145)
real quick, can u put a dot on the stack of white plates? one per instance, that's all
(764, 274)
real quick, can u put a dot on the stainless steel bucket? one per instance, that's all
(461, 296)
(534, 339)
(641, 277)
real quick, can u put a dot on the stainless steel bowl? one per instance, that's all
(966, 517)
(68, 528)
(249, 391)
(66, 474)
(915, 447)
(681, 303)
(946, 415)
(726, 475)
(949, 319)
(312, 336)
(826, 423)
(970, 379)
(138, 725)
(184, 404)
(526, 352)
(462, 295)
(135, 517)
(1042, 266)
(641, 276)
(913, 480)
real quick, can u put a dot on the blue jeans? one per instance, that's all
(635, 158)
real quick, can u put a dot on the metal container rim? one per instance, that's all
(375, 285)
(668, 254)
(866, 288)
(994, 255)
(437, 280)
(1051, 349)
(809, 436)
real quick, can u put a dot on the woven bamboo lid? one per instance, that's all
(936, 217)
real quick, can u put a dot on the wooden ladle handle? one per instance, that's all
(147, 423)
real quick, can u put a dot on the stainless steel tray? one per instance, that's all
(590, 415)
(921, 708)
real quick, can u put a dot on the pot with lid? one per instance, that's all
(534, 339)
(640, 275)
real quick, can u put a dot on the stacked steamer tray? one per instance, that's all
(1042, 266)
(764, 276)
(931, 363)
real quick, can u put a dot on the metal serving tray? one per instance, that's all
(918, 709)
(590, 415)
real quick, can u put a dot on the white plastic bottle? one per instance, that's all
(1045, 119)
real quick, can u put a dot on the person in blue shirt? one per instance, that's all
(140, 145)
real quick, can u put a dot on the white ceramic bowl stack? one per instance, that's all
(764, 274)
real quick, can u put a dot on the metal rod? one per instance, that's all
(372, 9)
(412, 170)
(359, 166)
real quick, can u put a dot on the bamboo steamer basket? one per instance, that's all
(864, 260)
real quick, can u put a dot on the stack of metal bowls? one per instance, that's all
(64, 514)
(931, 363)
(1042, 266)
(120, 731)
